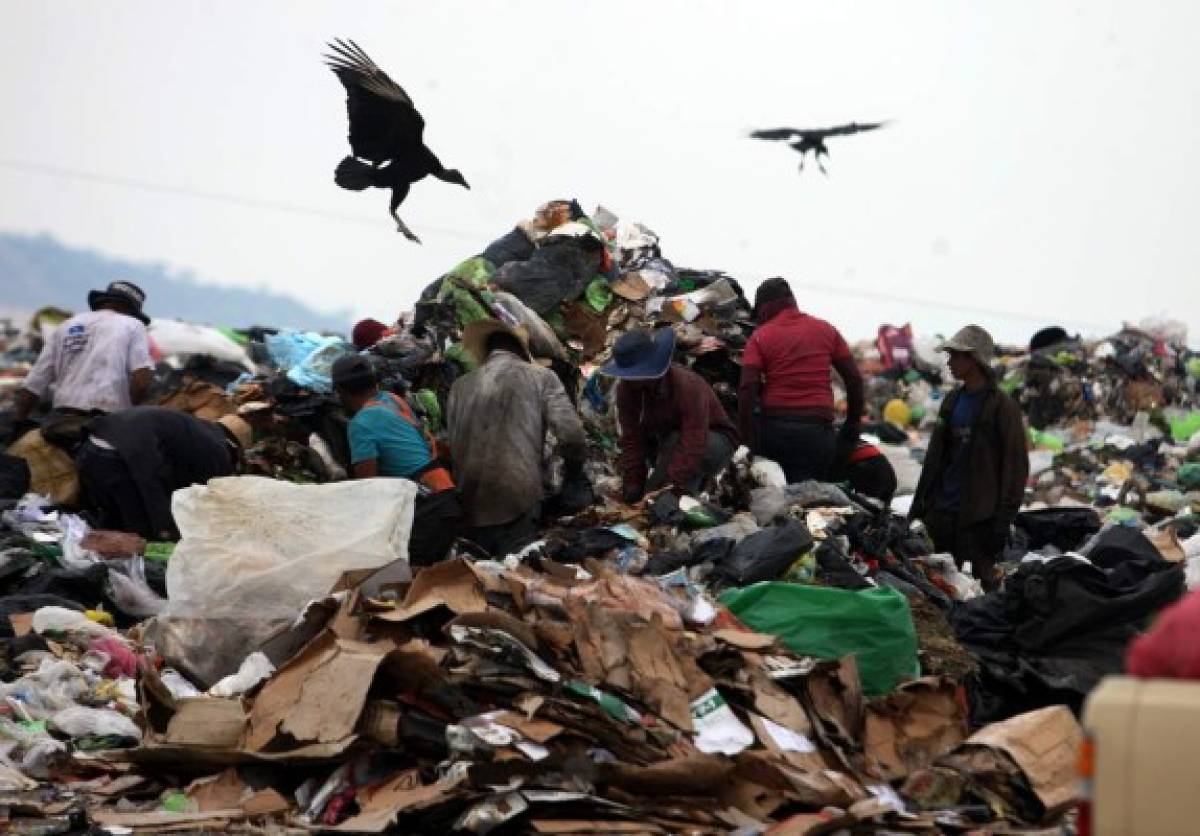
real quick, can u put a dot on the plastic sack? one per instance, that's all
(315, 371)
(62, 620)
(129, 591)
(54, 686)
(288, 349)
(259, 548)
(183, 338)
(80, 721)
(764, 555)
(767, 473)
(253, 670)
(874, 625)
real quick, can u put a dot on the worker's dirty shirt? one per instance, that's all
(498, 416)
(89, 360)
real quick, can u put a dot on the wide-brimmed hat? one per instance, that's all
(126, 292)
(475, 337)
(639, 355)
(975, 341)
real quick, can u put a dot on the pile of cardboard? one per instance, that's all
(483, 697)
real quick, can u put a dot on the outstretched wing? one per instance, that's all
(852, 128)
(776, 133)
(384, 123)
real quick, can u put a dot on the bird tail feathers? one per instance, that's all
(354, 175)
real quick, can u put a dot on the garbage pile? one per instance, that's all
(762, 657)
(523, 695)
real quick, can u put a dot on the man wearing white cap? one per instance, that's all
(973, 479)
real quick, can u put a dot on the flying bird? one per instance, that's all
(385, 130)
(806, 140)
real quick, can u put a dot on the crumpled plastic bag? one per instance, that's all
(129, 590)
(765, 555)
(81, 721)
(254, 669)
(257, 548)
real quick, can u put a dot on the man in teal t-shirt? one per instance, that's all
(387, 439)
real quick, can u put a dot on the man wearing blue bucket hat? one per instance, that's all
(669, 415)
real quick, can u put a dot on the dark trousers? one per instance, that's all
(110, 492)
(506, 538)
(967, 543)
(717, 454)
(437, 522)
(804, 447)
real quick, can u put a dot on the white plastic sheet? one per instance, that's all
(259, 548)
(183, 339)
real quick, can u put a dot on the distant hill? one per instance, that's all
(38, 270)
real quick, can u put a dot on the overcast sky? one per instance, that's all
(1041, 166)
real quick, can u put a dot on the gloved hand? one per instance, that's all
(847, 441)
(576, 493)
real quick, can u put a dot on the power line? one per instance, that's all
(312, 211)
(220, 197)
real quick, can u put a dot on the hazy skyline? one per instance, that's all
(1039, 166)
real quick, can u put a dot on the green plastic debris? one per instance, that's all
(613, 706)
(912, 376)
(874, 625)
(1193, 367)
(174, 802)
(598, 294)
(160, 551)
(235, 335)
(46, 551)
(916, 413)
(428, 400)
(1122, 516)
(34, 726)
(1046, 440)
(1189, 476)
(1185, 426)
(460, 355)
(803, 570)
(1011, 384)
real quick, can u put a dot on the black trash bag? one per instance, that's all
(575, 546)
(834, 568)
(515, 245)
(1067, 529)
(14, 477)
(1121, 545)
(710, 551)
(557, 272)
(764, 555)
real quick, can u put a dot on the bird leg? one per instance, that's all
(821, 165)
(403, 229)
(802, 155)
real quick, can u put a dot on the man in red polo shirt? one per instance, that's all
(785, 407)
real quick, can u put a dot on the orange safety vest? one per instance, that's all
(434, 476)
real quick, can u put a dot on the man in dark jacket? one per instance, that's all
(135, 459)
(669, 415)
(973, 480)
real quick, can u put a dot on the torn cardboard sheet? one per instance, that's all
(380, 806)
(450, 584)
(1045, 744)
(318, 696)
(913, 727)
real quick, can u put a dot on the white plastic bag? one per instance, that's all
(80, 721)
(183, 338)
(255, 668)
(261, 549)
(63, 620)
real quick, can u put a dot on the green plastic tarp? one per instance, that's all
(874, 625)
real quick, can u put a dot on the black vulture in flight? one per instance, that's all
(814, 139)
(385, 130)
